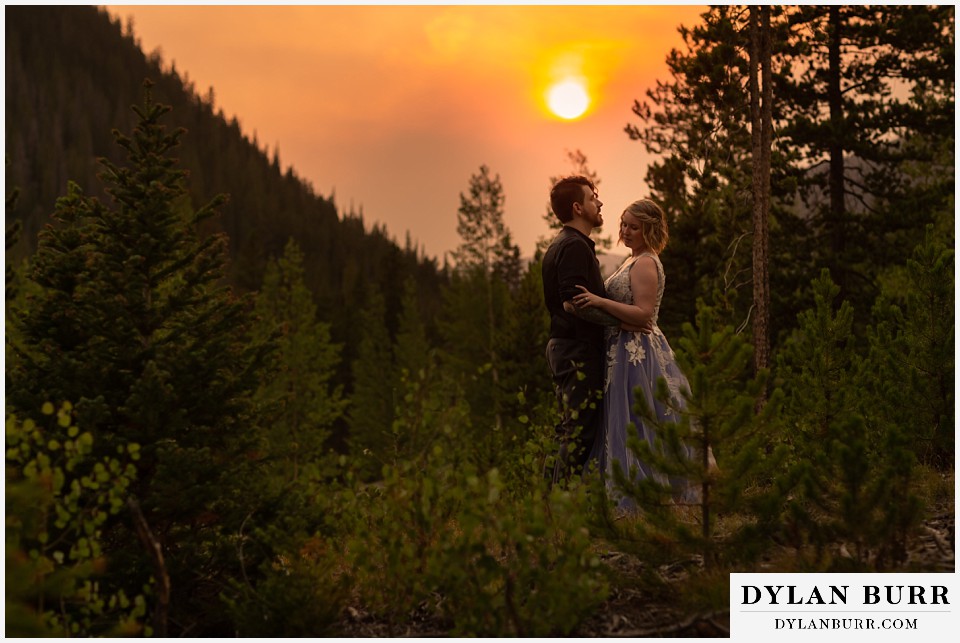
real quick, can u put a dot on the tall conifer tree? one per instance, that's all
(133, 326)
(486, 260)
(412, 350)
(371, 409)
(301, 403)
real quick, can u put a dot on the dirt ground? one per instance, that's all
(635, 612)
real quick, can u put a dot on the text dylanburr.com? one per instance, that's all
(843, 607)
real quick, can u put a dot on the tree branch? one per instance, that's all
(155, 551)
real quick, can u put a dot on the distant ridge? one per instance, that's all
(72, 75)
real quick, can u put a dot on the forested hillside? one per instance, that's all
(232, 411)
(72, 76)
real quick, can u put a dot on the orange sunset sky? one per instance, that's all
(392, 108)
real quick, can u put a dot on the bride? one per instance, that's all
(637, 359)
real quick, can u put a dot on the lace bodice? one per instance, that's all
(618, 284)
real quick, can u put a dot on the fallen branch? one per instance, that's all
(160, 568)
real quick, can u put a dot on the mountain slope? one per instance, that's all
(72, 75)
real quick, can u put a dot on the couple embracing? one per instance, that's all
(604, 340)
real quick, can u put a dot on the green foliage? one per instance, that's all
(438, 536)
(290, 583)
(906, 386)
(131, 323)
(429, 409)
(521, 567)
(854, 468)
(59, 498)
(466, 335)
(737, 504)
(476, 304)
(697, 123)
(846, 165)
(371, 403)
(493, 325)
(297, 596)
(525, 334)
(920, 358)
(412, 347)
(897, 90)
(298, 400)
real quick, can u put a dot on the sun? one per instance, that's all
(568, 99)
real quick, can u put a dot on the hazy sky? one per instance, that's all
(392, 108)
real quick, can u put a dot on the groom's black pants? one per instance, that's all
(577, 369)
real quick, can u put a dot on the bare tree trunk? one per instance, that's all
(494, 372)
(761, 138)
(837, 216)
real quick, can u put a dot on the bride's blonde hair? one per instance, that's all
(653, 224)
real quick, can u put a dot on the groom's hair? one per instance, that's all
(565, 193)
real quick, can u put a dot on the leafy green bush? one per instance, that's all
(453, 542)
(438, 537)
(289, 581)
(59, 498)
(518, 567)
(296, 593)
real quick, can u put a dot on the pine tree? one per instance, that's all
(738, 504)
(854, 469)
(526, 378)
(817, 367)
(912, 353)
(299, 399)
(698, 124)
(865, 80)
(486, 261)
(133, 326)
(421, 394)
(864, 104)
(928, 340)
(412, 349)
(371, 411)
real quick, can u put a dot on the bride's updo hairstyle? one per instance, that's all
(653, 225)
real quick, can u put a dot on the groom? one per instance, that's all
(575, 349)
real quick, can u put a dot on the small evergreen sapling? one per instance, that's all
(852, 465)
(736, 511)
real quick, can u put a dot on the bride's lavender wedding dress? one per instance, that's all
(636, 359)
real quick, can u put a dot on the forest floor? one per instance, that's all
(639, 608)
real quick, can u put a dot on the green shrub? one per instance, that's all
(58, 499)
(853, 464)
(518, 567)
(437, 537)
